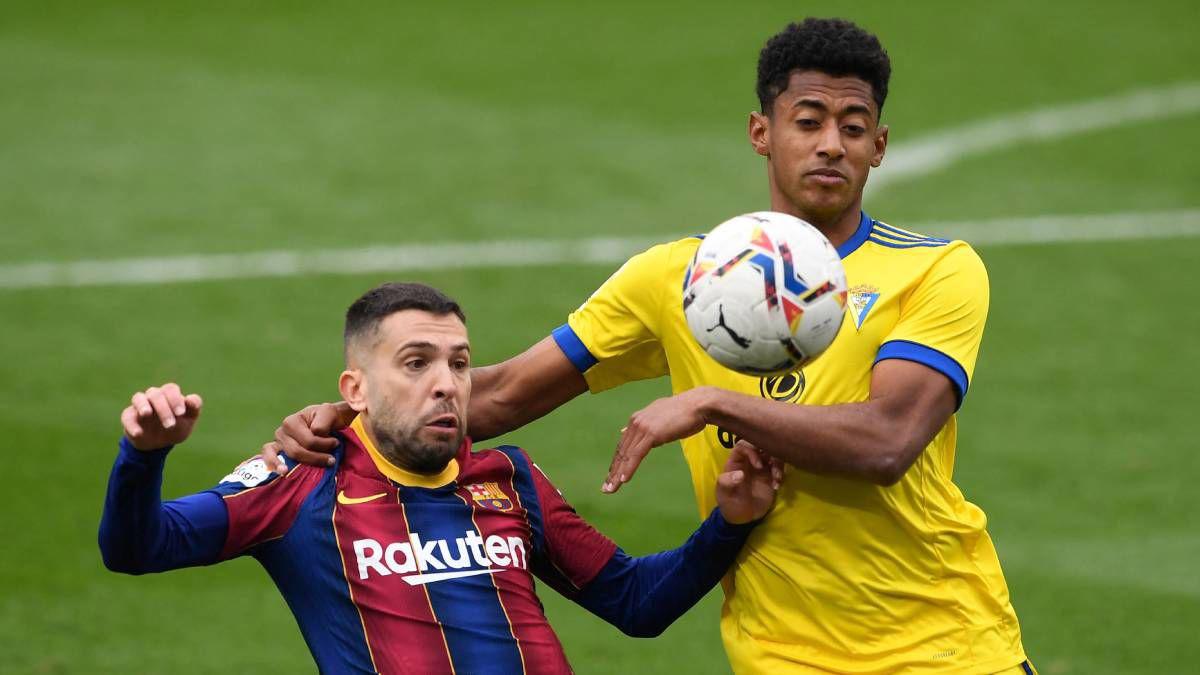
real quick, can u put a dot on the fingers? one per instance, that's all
(270, 455)
(129, 417)
(289, 446)
(744, 450)
(731, 479)
(323, 419)
(295, 434)
(141, 405)
(158, 402)
(192, 403)
(632, 448)
(160, 416)
(174, 398)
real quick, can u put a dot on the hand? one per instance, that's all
(665, 420)
(746, 489)
(160, 416)
(307, 436)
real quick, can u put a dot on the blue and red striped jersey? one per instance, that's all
(393, 572)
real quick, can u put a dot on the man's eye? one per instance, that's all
(461, 365)
(415, 364)
(854, 129)
(808, 123)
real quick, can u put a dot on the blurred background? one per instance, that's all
(158, 136)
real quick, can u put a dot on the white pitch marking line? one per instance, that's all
(942, 149)
(906, 160)
(542, 252)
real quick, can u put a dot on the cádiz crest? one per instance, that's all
(862, 299)
(490, 496)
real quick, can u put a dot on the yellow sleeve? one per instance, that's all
(942, 319)
(613, 338)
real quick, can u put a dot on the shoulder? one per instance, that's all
(657, 262)
(509, 456)
(923, 249)
(253, 475)
(524, 469)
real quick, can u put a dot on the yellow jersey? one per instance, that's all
(843, 576)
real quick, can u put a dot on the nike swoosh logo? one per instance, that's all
(343, 499)
(422, 579)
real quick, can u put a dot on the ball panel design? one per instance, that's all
(765, 293)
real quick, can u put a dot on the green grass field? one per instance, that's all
(153, 130)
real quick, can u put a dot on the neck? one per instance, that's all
(837, 227)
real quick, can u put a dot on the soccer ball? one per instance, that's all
(765, 293)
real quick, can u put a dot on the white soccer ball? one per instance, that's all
(765, 293)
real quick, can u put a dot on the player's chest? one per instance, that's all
(420, 536)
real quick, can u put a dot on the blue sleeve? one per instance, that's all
(140, 534)
(644, 595)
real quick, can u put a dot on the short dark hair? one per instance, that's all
(835, 47)
(371, 308)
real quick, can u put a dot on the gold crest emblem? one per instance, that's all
(861, 299)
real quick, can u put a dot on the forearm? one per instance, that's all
(865, 441)
(489, 414)
(513, 393)
(139, 533)
(643, 595)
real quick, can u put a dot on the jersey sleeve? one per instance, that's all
(262, 505)
(572, 551)
(140, 534)
(614, 337)
(942, 319)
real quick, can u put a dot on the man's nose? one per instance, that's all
(829, 145)
(445, 384)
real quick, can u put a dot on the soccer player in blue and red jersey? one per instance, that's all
(412, 552)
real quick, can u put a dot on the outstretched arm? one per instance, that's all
(642, 596)
(138, 533)
(876, 440)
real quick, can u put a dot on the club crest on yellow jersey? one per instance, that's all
(862, 298)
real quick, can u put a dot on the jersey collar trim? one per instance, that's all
(402, 476)
(858, 238)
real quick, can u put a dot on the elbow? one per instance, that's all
(643, 629)
(889, 465)
(121, 564)
(117, 559)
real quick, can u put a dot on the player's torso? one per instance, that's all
(438, 577)
(843, 565)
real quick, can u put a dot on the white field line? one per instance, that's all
(905, 160)
(942, 149)
(397, 260)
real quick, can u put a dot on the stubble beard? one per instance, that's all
(400, 444)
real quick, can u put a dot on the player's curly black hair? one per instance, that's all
(835, 47)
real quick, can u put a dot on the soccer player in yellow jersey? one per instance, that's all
(872, 560)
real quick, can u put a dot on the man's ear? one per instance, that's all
(881, 140)
(352, 384)
(759, 130)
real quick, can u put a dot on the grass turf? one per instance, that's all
(137, 130)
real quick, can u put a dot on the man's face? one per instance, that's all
(415, 386)
(821, 140)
